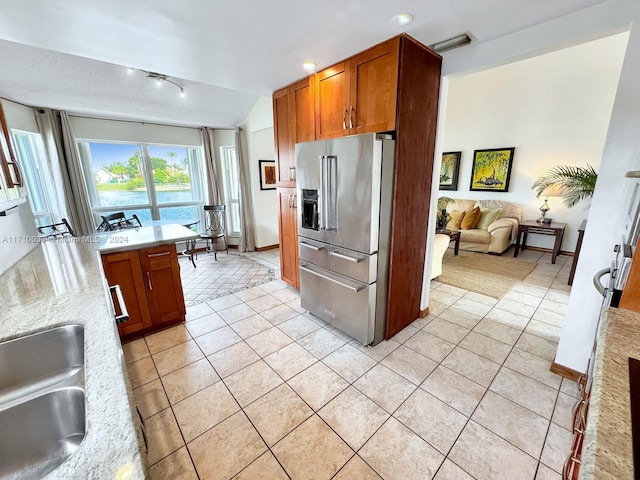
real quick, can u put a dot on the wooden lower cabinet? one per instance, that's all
(288, 226)
(151, 288)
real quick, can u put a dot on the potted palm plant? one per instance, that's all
(575, 183)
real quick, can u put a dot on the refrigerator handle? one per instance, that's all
(353, 289)
(321, 207)
(332, 217)
(602, 290)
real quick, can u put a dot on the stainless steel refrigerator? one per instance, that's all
(345, 188)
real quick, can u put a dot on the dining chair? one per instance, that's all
(54, 230)
(118, 221)
(215, 230)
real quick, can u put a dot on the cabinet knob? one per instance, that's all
(149, 281)
(350, 116)
(344, 118)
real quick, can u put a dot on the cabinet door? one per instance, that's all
(10, 169)
(161, 274)
(123, 268)
(374, 88)
(283, 132)
(304, 121)
(288, 236)
(332, 101)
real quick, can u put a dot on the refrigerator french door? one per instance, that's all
(344, 204)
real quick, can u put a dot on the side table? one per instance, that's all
(576, 254)
(453, 236)
(531, 226)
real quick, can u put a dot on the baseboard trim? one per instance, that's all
(268, 247)
(424, 313)
(565, 372)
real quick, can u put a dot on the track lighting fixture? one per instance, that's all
(160, 78)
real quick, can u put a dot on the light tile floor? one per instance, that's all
(252, 387)
(231, 273)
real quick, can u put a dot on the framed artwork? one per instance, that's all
(267, 174)
(491, 170)
(449, 169)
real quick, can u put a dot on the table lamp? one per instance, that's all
(554, 190)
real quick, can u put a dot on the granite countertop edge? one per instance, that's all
(60, 283)
(607, 452)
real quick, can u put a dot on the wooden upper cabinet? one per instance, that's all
(359, 95)
(374, 89)
(293, 122)
(303, 110)
(332, 101)
(8, 164)
(283, 132)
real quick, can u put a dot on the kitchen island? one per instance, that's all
(143, 262)
(59, 283)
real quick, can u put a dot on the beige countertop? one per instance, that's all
(143, 237)
(61, 283)
(607, 452)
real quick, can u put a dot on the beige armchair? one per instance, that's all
(498, 236)
(440, 245)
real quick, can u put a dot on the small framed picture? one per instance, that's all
(449, 169)
(267, 174)
(491, 170)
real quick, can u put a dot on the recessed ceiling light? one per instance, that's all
(402, 19)
(130, 70)
(308, 65)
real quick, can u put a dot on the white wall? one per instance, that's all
(260, 143)
(100, 129)
(16, 228)
(606, 218)
(20, 117)
(554, 109)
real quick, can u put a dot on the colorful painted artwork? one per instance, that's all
(267, 174)
(449, 170)
(491, 169)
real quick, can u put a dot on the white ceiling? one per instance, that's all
(73, 54)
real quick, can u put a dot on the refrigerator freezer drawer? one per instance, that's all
(314, 252)
(358, 266)
(347, 305)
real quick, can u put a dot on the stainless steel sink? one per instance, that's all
(42, 401)
(35, 362)
(38, 435)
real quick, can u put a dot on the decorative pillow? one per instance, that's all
(487, 217)
(456, 220)
(470, 219)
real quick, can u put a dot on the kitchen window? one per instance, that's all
(152, 181)
(37, 177)
(231, 186)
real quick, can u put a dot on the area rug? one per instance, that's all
(211, 279)
(483, 273)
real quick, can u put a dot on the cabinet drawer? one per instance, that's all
(353, 264)
(314, 252)
(339, 301)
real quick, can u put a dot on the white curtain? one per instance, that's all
(246, 242)
(212, 163)
(63, 156)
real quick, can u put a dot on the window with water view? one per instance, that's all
(155, 182)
